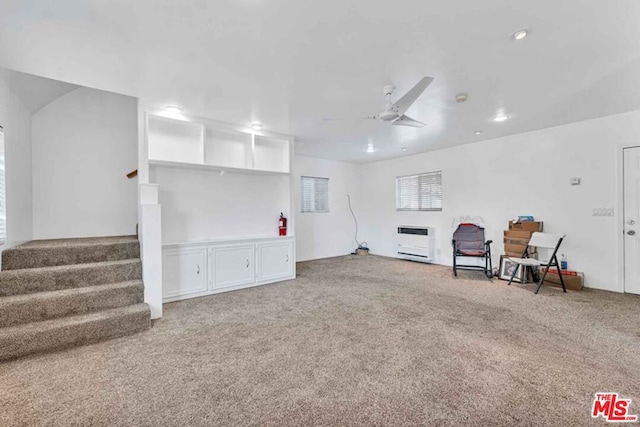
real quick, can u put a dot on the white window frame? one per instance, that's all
(309, 202)
(428, 192)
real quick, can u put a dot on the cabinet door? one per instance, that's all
(184, 271)
(233, 266)
(275, 260)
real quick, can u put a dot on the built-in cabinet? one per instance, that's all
(184, 271)
(233, 265)
(275, 260)
(216, 179)
(204, 268)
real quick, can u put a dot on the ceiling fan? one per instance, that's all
(394, 113)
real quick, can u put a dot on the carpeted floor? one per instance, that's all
(352, 341)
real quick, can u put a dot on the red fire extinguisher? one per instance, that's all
(282, 225)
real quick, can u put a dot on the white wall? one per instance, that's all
(323, 235)
(16, 121)
(525, 174)
(84, 143)
(202, 205)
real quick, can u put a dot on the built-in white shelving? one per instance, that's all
(185, 143)
(212, 168)
(178, 141)
(220, 230)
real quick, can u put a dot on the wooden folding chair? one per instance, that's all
(540, 240)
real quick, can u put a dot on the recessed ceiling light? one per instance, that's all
(461, 97)
(519, 35)
(404, 148)
(500, 118)
(173, 109)
(478, 132)
(256, 125)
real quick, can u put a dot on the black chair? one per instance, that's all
(468, 241)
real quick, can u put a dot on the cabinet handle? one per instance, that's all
(287, 255)
(247, 263)
(198, 272)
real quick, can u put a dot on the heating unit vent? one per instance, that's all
(416, 243)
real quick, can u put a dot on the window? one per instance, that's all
(421, 192)
(315, 194)
(3, 206)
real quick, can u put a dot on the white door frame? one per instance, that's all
(620, 216)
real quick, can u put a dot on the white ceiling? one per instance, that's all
(34, 92)
(290, 63)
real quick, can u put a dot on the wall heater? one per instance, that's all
(416, 243)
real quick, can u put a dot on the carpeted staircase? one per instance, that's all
(68, 292)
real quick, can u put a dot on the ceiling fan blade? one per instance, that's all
(407, 121)
(333, 119)
(410, 97)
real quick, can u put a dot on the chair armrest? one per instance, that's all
(488, 242)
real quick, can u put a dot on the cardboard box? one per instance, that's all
(526, 226)
(518, 234)
(575, 283)
(518, 249)
(564, 272)
(516, 241)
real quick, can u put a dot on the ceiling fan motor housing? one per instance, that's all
(388, 116)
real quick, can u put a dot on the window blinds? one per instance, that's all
(315, 194)
(422, 192)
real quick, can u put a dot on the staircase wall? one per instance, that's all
(84, 143)
(16, 121)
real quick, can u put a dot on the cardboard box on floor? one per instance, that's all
(574, 283)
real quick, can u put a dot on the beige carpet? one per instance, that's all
(352, 341)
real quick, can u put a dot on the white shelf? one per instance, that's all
(176, 140)
(212, 168)
(228, 149)
(207, 145)
(270, 153)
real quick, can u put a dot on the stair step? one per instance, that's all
(25, 308)
(57, 334)
(45, 279)
(49, 253)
